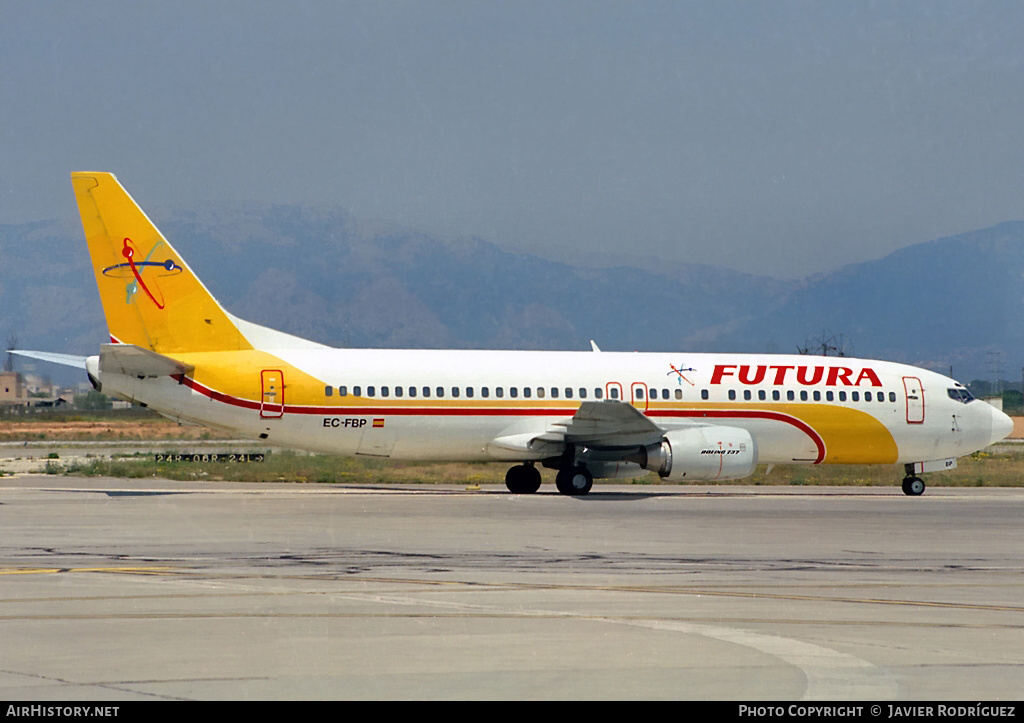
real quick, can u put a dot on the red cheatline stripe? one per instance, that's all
(819, 443)
(752, 414)
(215, 395)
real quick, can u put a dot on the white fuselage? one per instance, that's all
(453, 405)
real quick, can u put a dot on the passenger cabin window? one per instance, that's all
(342, 391)
(426, 391)
(398, 391)
(842, 396)
(455, 391)
(855, 396)
(568, 392)
(615, 393)
(540, 392)
(776, 395)
(469, 391)
(583, 392)
(358, 391)
(598, 393)
(371, 391)
(704, 394)
(513, 392)
(554, 393)
(746, 395)
(679, 393)
(485, 392)
(384, 391)
(527, 393)
(732, 394)
(412, 391)
(867, 396)
(499, 392)
(892, 396)
(790, 395)
(328, 391)
(762, 394)
(639, 392)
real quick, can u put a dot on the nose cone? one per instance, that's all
(1002, 425)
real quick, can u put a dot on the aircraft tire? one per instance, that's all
(523, 479)
(913, 486)
(574, 481)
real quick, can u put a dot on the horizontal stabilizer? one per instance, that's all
(135, 361)
(68, 360)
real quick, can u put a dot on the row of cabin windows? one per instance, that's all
(499, 392)
(613, 393)
(485, 392)
(805, 396)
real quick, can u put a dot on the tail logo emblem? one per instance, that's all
(133, 271)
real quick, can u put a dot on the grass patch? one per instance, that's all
(84, 429)
(979, 470)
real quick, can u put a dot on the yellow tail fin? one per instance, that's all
(150, 296)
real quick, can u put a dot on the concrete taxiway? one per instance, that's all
(124, 589)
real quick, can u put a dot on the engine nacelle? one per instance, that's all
(702, 454)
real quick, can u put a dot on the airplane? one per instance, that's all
(693, 417)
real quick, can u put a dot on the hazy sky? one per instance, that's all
(775, 137)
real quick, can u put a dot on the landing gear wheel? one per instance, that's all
(523, 479)
(574, 481)
(913, 486)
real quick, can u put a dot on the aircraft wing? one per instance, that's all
(609, 424)
(597, 425)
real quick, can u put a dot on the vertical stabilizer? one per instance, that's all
(150, 296)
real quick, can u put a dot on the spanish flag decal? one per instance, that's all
(379, 422)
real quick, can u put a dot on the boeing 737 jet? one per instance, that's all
(592, 414)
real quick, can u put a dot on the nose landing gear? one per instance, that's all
(913, 486)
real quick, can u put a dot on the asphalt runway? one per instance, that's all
(128, 590)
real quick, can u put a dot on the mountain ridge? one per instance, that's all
(321, 273)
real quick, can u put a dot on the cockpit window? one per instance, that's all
(960, 395)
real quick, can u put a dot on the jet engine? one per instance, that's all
(701, 453)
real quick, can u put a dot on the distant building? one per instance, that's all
(50, 403)
(12, 391)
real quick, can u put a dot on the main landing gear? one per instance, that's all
(524, 479)
(574, 480)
